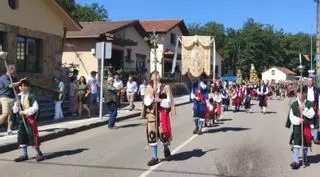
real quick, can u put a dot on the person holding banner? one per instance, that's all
(158, 104)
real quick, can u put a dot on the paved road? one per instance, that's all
(248, 145)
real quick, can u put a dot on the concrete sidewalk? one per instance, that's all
(55, 129)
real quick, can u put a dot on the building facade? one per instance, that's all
(276, 74)
(32, 32)
(130, 52)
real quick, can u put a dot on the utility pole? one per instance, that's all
(318, 41)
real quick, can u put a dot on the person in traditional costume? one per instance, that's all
(28, 108)
(199, 111)
(262, 92)
(204, 88)
(313, 97)
(225, 99)
(247, 100)
(158, 104)
(236, 98)
(301, 112)
(216, 96)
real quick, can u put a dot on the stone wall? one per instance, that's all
(50, 53)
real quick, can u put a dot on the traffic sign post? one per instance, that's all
(103, 51)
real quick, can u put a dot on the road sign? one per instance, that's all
(103, 50)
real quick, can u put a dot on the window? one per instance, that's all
(173, 38)
(141, 62)
(129, 54)
(273, 72)
(2, 39)
(28, 54)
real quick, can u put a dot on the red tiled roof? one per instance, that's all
(163, 26)
(286, 71)
(94, 29)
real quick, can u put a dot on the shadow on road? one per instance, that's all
(224, 120)
(63, 153)
(270, 112)
(189, 154)
(131, 125)
(314, 158)
(226, 129)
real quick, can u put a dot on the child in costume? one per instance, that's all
(28, 108)
(301, 112)
(225, 99)
(236, 98)
(199, 110)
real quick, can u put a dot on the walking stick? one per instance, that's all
(3, 55)
(301, 68)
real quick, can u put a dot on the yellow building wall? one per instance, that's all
(36, 15)
(78, 51)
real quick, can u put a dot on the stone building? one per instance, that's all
(33, 32)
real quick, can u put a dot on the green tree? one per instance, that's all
(92, 12)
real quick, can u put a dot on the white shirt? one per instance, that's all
(30, 111)
(118, 84)
(132, 87)
(93, 83)
(310, 96)
(143, 89)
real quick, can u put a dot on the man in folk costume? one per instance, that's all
(29, 112)
(301, 112)
(313, 97)
(158, 103)
(199, 111)
(262, 92)
(225, 98)
(236, 98)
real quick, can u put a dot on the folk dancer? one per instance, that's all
(158, 103)
(263, 96)
(313, 97)
(247, 100)
(301, 112)
(199, 110)
(225, 99)
(27, 106)
(236, 98)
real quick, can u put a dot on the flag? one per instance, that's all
(307, 57)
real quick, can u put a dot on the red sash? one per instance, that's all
(165, 124)
(307, 135)
(33, 122)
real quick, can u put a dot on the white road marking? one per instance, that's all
(151, 169)
(146, 173)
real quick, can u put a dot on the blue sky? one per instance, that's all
(291, 15)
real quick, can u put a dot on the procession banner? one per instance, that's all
(196, 55)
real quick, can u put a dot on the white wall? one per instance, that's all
(278, 75)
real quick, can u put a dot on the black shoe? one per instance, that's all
(195, 131)
(167, 155)
(21, 159)
(153, 161)
(316, 142)
(200, 132)
(306, 163)
(295, 165)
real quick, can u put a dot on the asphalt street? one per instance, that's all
(248, 145)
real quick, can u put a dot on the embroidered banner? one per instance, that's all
(196, 55)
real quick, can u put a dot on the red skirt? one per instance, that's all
(218, 110)
(165, 129)
(236, 101)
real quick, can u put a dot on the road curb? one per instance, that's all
(12, 146)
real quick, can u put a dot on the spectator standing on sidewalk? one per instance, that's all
(7, 96)
(142, 89)
(73, 96)
(118, 84)
(110, 96)
(58, 96)
(93, 83)
(83, 101)
(131, 90)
